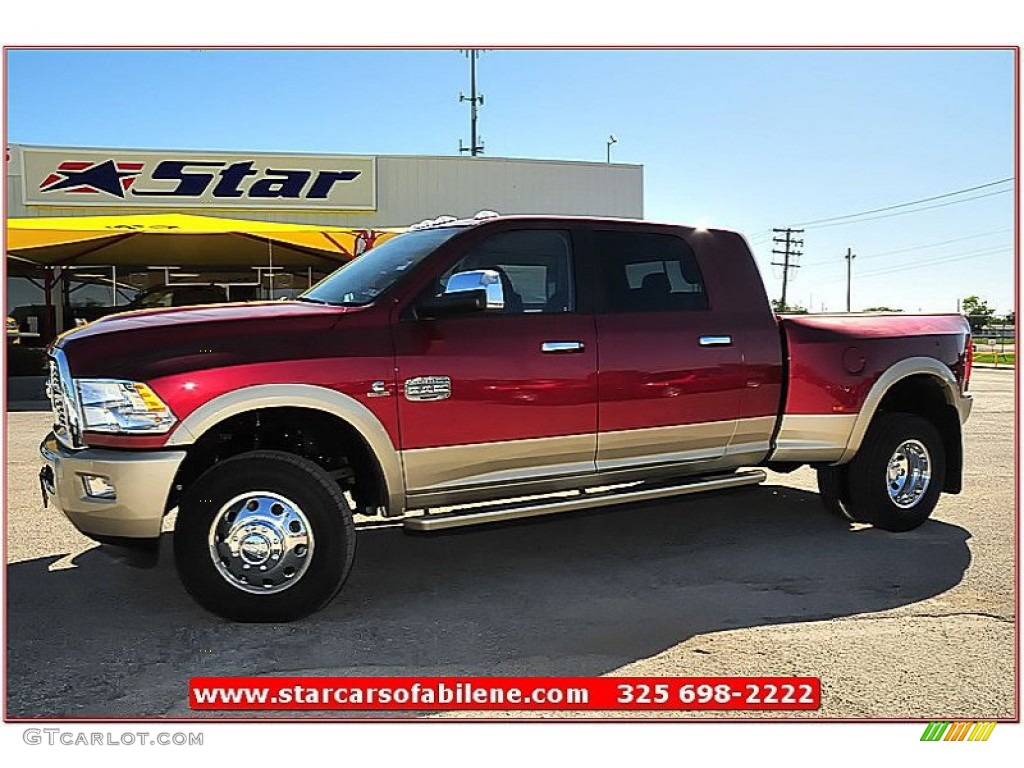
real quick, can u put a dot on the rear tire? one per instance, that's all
(898, 474)
(833, 486)
(264, 536)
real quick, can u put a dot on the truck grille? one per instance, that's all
(58, 388)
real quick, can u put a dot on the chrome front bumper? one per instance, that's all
(141, 481)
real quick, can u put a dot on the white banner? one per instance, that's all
(149, 179)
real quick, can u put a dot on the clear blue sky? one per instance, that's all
(746, 140)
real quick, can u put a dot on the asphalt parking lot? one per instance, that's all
(760, 581)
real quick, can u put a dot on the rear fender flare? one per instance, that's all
(912, 366)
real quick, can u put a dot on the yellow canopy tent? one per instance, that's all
(181, 240)
(133, 244)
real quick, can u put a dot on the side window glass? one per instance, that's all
(535, 267)
(647, 272)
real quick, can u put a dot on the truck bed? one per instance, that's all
(835, 362)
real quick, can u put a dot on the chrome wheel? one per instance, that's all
(261, 542)
(908, 474)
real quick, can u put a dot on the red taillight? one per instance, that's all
(968, 362)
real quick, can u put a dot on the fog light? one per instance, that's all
(99, 487)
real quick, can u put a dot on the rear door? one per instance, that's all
(671, 375)
(501, 396)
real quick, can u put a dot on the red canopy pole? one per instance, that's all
(47, 329)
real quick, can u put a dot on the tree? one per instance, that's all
(978, 313)
(882, 309)
(789, 309)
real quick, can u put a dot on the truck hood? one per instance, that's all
(146, 344)
(207, 313)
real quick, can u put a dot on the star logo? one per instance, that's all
(108, 176)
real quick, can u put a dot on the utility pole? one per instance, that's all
(850, 256)
(475, 100)
(792, 250)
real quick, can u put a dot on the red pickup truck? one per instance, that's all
(484, 370)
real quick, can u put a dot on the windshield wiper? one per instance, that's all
(311, 300)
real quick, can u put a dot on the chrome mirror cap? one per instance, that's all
(486, 279)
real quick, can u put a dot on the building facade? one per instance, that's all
(357, 191)
(337, 190)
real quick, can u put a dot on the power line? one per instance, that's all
(916, 210)
(938, 261)
(921, 247)
(935, 245)
(927, 263)
(905, 205)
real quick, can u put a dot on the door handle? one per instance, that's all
(558, 347)
(715, 341)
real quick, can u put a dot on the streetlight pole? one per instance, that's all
(608, 147)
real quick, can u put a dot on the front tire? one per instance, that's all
(897, 475)
(264, 536)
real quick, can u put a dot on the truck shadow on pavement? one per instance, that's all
(577, 594)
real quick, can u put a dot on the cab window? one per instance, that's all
(649, 272)
(535, 267)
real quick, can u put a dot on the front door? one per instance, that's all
(501, 396)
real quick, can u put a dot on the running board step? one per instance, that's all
(472, 516)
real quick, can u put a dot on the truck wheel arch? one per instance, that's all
(304, 397)
(921, 386)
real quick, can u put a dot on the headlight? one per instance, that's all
(109, 405)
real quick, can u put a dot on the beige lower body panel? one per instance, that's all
(451, 467)
(683, 443)
(467, 474)
(662, 445)
(817, 438)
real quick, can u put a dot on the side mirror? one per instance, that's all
(450, 304)
(487, 279)
(474, 291)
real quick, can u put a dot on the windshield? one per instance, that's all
(363, 279)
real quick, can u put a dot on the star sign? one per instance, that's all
(107, 176)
